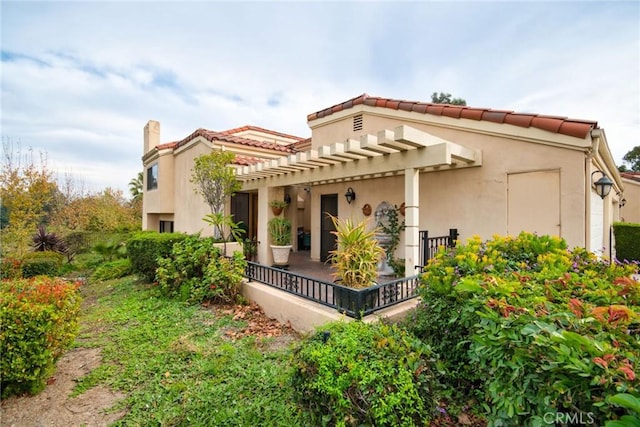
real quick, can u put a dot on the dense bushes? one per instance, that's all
(364, 374)
(529, 328)
(38, 321)
(627, 241)
(196, 271)
(145, 247)
(112, 270)
(41, 263)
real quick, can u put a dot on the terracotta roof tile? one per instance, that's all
(562, 125)
(259, 129)
(631, 175)
(210, 135)
(246, 160)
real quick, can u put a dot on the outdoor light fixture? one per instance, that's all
(602, 185)
(350, 195)
(287, 199)
(623, 202)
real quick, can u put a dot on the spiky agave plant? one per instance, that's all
(358, 253)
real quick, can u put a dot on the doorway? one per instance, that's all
(328, 205)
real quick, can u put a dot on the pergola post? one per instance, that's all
(265, 195)
(412, 220)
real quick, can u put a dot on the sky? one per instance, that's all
(79, 80)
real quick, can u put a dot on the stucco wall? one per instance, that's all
(630, 212)
(474, 200)
(190, 207)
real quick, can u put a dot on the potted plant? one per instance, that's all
(280, 232)
(355, 259)
(277, 206)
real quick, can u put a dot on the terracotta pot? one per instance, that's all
(366, 209)
(276, 211)
(402, 209)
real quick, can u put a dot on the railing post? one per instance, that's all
(424, 244)
(453, 236)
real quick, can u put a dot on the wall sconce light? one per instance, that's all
(602, 185)
(350, 195)
(287, 199)
(623, 202)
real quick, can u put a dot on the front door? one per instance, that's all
(328, 205)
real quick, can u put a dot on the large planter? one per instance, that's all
(347, 299)
(280, 254)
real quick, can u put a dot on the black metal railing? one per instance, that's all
(430, 245)
(353, 302)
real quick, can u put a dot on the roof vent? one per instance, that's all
(357, 123)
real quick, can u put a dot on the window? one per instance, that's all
(152, 177)
(166, 226)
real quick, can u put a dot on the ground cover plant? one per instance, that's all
(187, 364)
(351, 374)
(530, 329)
(38, 322)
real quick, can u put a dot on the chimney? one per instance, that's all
(151, 135)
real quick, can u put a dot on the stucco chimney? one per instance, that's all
(151, 135)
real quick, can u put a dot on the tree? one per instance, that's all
(135, 188)
(27, 191)
(632, 158)
(445, 98)
(215, 180)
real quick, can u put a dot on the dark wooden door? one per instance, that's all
(328, 204)
(240, 211)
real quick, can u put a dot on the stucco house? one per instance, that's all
(477, 170)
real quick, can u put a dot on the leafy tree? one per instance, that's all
(632, 158)
(107, 211)
(215, 180)
(27, 191)
(445, 98)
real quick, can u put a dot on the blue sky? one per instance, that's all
(81, 79)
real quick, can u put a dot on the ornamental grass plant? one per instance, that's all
(357, 254)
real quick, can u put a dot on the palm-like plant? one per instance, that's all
(135, 187)
(357, 255)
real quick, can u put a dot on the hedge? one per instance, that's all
(627, 241)
(146, 247)
(41, 263)
(38, 322)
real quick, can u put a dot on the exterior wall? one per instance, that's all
(190, 206)
(161, 199)
(474, 200)
(630, 212)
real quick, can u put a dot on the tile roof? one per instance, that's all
(561, 125)
(259, 129)
(631, 175)
(210, 135)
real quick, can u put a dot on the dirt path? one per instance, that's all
(54, 408)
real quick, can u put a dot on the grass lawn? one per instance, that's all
(185, 365)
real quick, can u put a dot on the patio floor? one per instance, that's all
(301, 263)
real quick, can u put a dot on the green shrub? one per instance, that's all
(145, 247)
(10, 268)
(537, 328)
(196, 271)
(45, 263)
(112, 270)
(38, 322)
(627, 241)
(364, 374)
